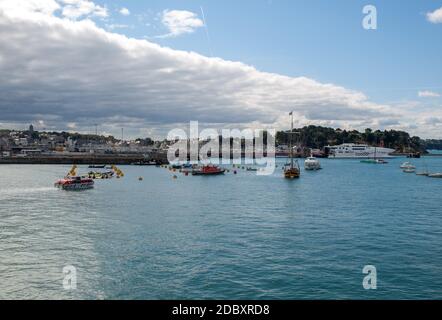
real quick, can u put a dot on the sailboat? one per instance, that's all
(291, 169)
(425, 173)
(375, 159)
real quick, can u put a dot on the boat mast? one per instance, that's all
(291, 144)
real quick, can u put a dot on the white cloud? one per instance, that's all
(124, 11)
(29, 8)
(72, 9)
(117, 26)
(65, 71)
(428, 94)
(435, 16)
(75, 9)
(180, 22)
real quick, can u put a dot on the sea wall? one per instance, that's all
(120, 159)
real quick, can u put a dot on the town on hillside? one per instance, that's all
(32, 143)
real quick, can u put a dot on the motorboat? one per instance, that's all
(311, 163)
(407, 165)
(144, 163)
(75, 183)
(435, 175)
(208, 170)
(416, 155)
(101, 175)
(409, 170)
(374, 161)
(95, 166)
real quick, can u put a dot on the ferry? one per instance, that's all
(352, 151)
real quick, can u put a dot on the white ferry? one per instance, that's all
(351, 150)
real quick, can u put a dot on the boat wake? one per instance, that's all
(6, 193)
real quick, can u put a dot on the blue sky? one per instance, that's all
(323, 40)
(152, 66)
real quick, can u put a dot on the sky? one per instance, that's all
(152, 66)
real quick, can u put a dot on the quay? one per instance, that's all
(81, 159)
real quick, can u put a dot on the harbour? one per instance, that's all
(202, 237)
(220, 159)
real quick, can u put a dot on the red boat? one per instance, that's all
(75, 183)
(209, 170)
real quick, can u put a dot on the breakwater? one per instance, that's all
(119, 159)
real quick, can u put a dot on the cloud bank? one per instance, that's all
(64, 73)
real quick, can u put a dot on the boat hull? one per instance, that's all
(355, 151)
(75, 184)
(214, 173)
(292, 174)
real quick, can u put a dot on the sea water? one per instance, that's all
(237, 236)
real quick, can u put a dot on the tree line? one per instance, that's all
(318, 137)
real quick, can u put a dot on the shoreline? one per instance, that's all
(105, 160)
(102, 159)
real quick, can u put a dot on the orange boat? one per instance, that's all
(209, 170)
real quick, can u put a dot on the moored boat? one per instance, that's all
(292, 172)
(291, 169)
(416, 155)
(407, 165)
(311, 163)
(409, 170)
(95, 166)
(435, 175)
(209, 170)
(100, 175)
(374, 161)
